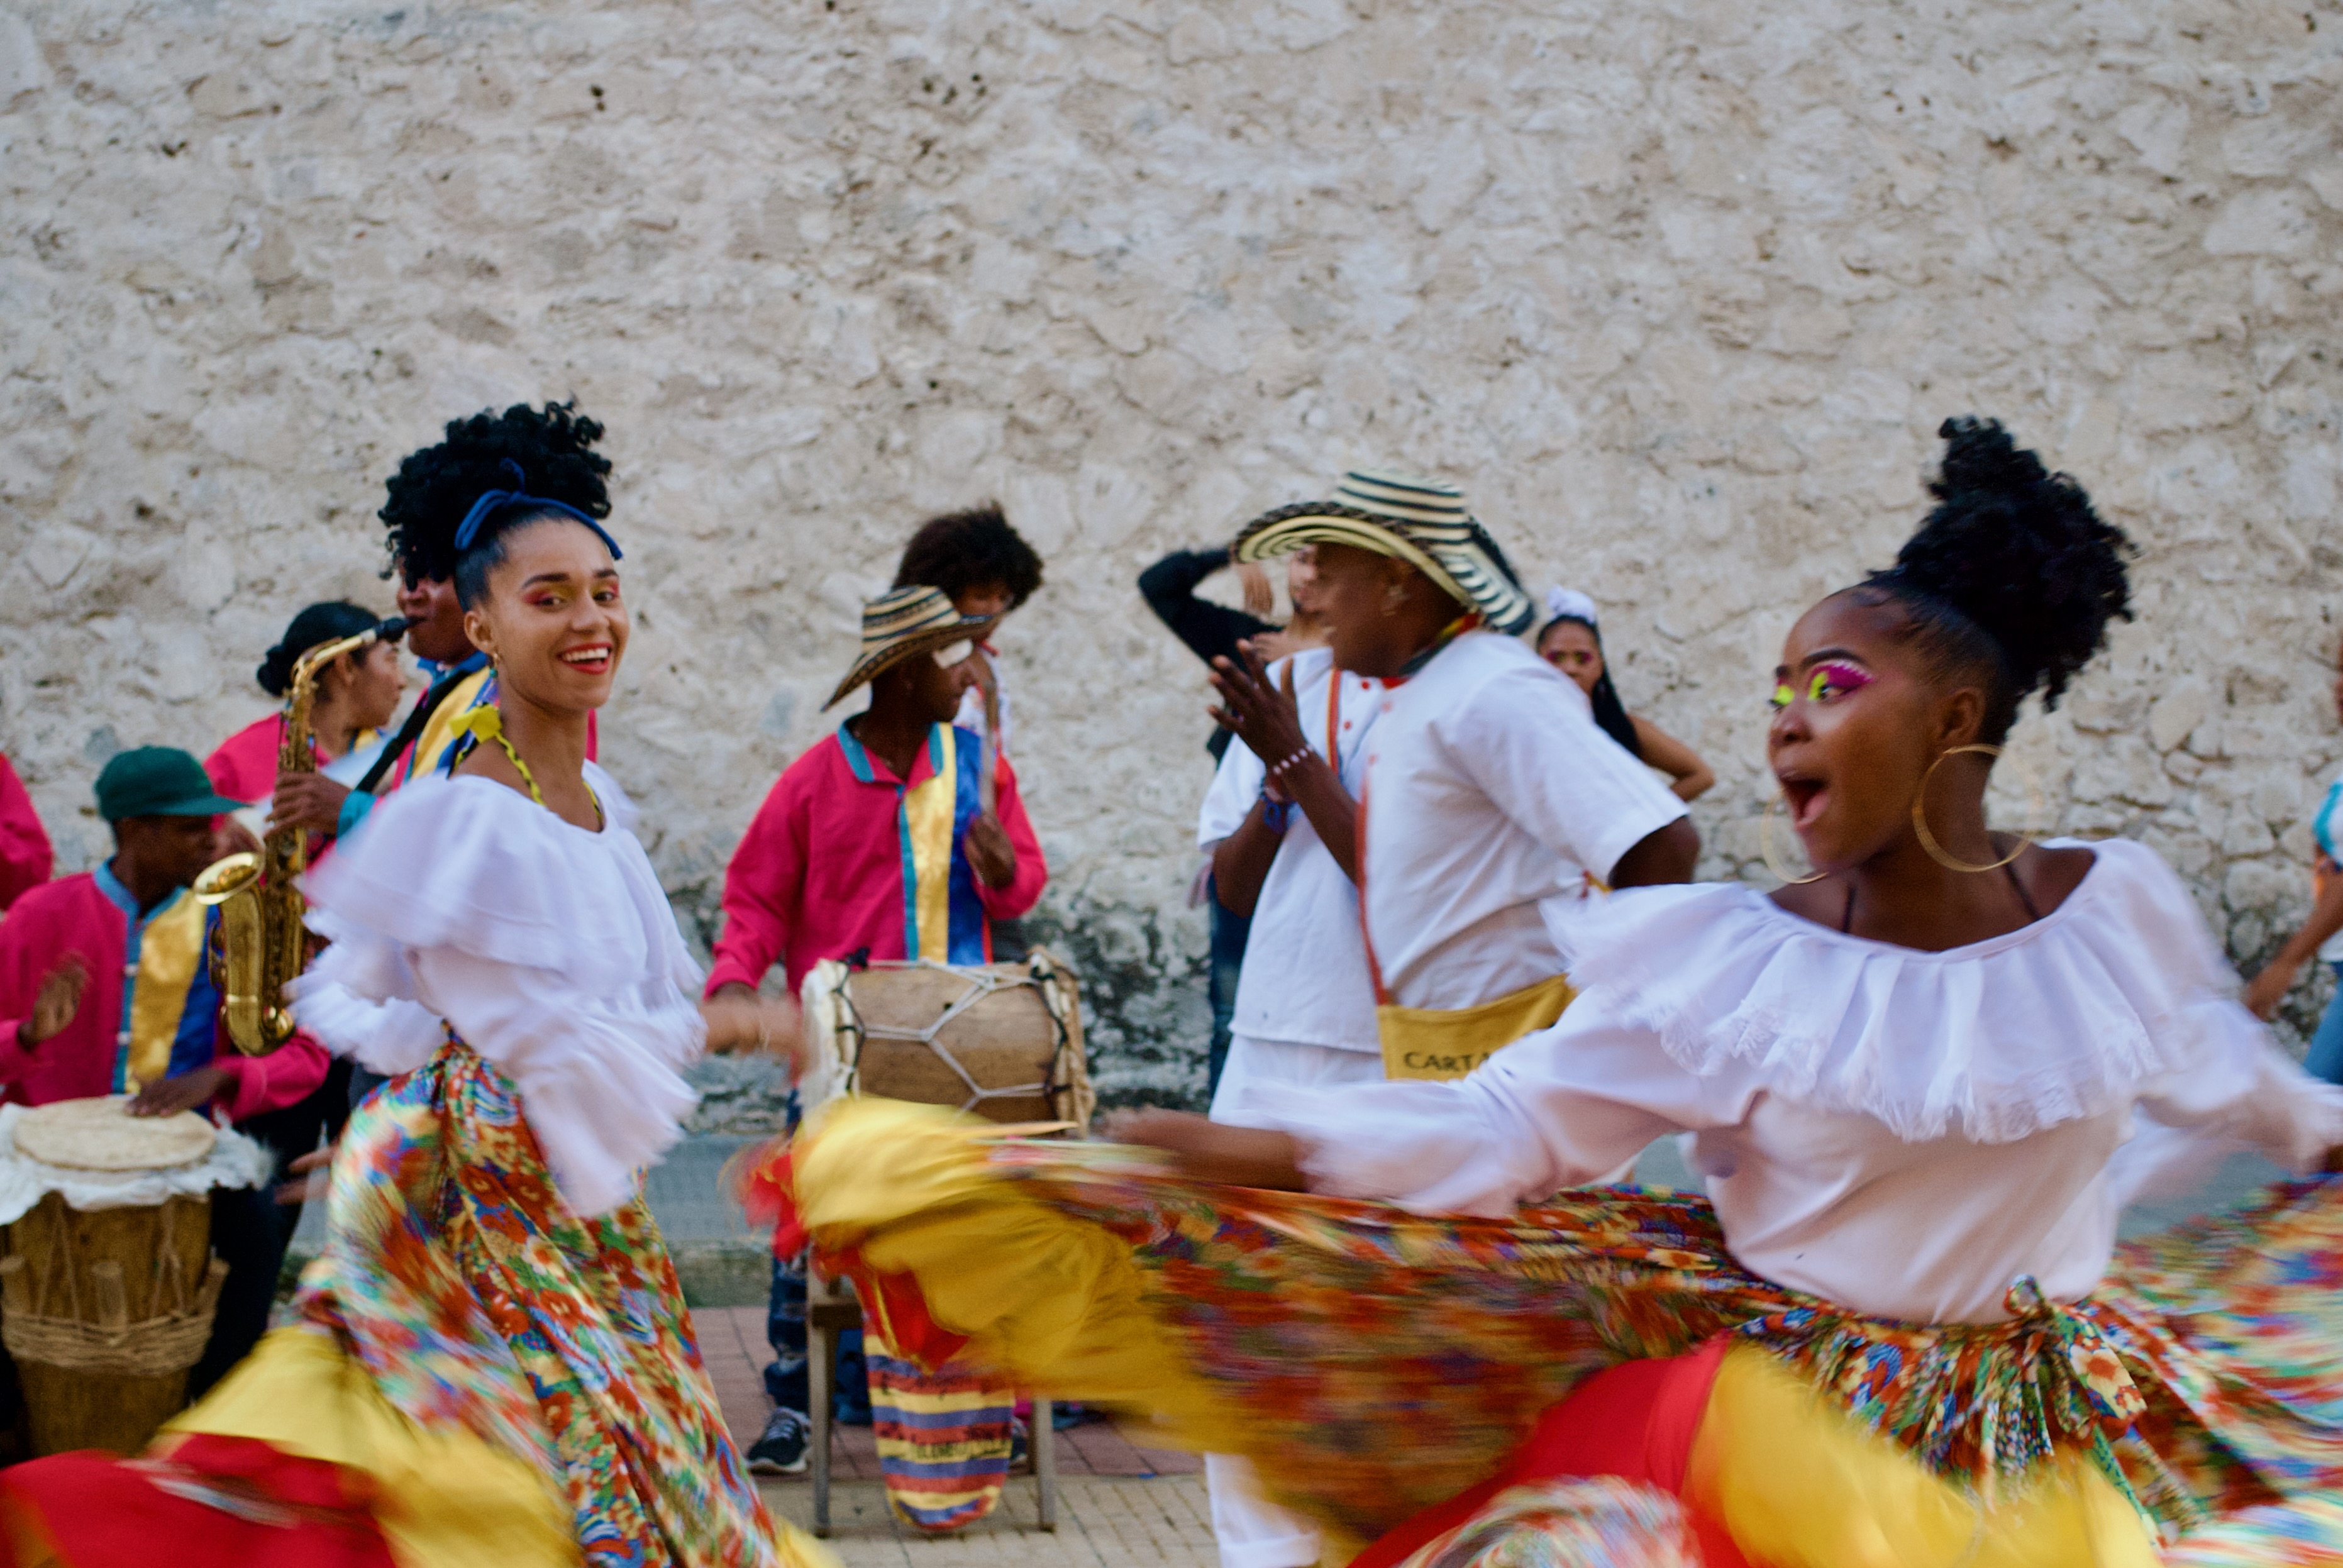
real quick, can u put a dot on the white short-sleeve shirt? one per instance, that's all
(1489, 788)
(1305, 970)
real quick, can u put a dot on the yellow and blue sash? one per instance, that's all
(170, 1009)
(943, 919)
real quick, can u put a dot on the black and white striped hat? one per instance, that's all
(1423, 522)
(902, 622)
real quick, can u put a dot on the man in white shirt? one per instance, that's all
(1283, 852)
(1487, 787)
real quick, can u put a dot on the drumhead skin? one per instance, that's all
(1002, 1040)
(101, 1135)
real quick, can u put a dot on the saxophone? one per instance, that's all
(262, 941)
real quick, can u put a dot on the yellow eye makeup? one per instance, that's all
(1834, 679)
(1823, 682)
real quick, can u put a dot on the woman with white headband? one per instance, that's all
(1572, 642)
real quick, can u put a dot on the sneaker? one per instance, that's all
(781, 1451)
(1019, 1450)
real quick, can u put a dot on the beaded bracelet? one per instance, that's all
(1277, 768)
(1277, 815)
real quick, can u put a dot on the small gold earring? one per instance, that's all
(1928, 839)
(1766, 848)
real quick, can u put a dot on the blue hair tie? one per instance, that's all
(492, 501)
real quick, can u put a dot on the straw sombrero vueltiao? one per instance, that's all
(902, 622)
(1424, 522)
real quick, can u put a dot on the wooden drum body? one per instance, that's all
(1003, 1042)
(104, 1312)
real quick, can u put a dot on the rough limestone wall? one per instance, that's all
(1679, 290)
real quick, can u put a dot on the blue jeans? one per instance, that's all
(1229, 933)
(2325, 1058)
(787, 1382)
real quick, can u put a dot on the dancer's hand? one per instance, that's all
(739, 1019)
(312, 1169)
(55, 1003)
(1232, 1156)
(2266, 990)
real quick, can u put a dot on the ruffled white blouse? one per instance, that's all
(550, 948)
(1903, 1132)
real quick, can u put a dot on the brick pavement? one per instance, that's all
(1119, 1504)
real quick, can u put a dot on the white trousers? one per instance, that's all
(1252, 1532)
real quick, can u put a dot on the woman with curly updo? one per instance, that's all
(1919, 1086)
(427, 500)
(491, 1364)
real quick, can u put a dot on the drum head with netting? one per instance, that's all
(992, 1056)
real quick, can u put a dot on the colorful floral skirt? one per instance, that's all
(463, 1323)
(1373, 1364)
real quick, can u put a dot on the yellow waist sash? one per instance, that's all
(1442, 1043)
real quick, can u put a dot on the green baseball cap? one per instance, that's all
(159, 781)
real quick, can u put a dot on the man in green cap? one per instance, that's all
(104, 989)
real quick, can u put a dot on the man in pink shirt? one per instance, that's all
(878, 842)
(104, 989)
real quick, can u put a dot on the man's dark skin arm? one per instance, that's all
(1240, 861)
(1665, 856)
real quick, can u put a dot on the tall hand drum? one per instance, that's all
(108, 1285)
(1001, 1040)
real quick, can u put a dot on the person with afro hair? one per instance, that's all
(545, 453)
(985, 568)
(1921, 1082)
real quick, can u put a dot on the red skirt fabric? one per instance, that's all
(1635, 1421)
(205, 1503)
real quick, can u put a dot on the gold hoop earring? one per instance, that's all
(1928, 839)
(1772, 860)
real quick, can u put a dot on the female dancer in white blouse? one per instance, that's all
(1920, 1086)
(493, 1366)
(1942, 1065)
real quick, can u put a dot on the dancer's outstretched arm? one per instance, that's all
(1234, 1156)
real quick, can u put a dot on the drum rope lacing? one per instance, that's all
(980, 985)
(153, 1347)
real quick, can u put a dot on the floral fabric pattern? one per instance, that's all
(2204, 1378)
(473, 1295)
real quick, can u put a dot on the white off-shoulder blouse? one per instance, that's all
(1903, 1132)
(549, 948)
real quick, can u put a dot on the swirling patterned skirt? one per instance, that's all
(509, 1385)
(473, 1298)
(1373, 1364)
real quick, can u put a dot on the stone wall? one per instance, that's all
(1678, 289)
